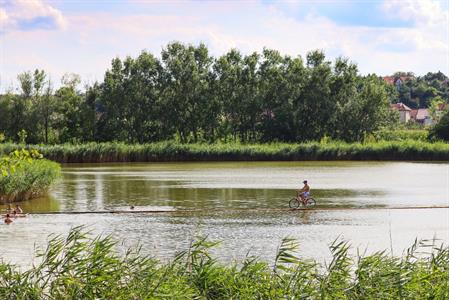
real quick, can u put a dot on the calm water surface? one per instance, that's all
(242, 204)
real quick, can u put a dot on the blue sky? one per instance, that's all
(82, 36)
(348, 13)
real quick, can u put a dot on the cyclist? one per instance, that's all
(304, 192)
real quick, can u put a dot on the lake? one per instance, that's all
(373, 205)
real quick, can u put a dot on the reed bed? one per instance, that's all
(401, 135)
(81, 267)
(173, 151)
(24, 178)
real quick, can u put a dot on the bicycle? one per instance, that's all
(297, 202)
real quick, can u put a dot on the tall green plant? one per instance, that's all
(78, 266)
(24, 175)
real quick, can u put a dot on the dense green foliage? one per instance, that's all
(190, 96)
(173, 151)
(24, 175)
(441, 129)
(79, 267)
(420, 91)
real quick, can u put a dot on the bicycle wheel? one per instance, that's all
(293, 203)
(310, 202)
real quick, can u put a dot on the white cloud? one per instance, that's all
(91, 40)
(3, 16)
(422, 12)
(30, 15)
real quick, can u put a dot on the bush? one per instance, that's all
(24, 175)
(441, 129)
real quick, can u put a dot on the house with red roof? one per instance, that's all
(421, 116)
(396, 81)
(389, 79)
(404, 111)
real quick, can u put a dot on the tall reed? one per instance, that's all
(81, 267)
(173, 151)
(24, 175)
(402, 135)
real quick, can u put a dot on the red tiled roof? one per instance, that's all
(389, 79)
(421, 113)
(392, 80)
(405, 78)
(400, 106)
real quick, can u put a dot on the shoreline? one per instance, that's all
(21, 196)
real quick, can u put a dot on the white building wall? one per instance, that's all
(404, 116)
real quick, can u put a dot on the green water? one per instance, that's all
(244, 204)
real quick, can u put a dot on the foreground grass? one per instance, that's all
(25, 177)
(172, 151)
(79, 267)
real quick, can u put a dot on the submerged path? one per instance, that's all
(237, 210)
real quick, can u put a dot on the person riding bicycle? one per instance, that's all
(304, 192)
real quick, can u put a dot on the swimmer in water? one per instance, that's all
(8, 219)
(18, 209)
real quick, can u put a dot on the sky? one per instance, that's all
(83, 36)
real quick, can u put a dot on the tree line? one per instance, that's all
(189, 95)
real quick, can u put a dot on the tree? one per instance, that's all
(441, 129)
(46, 107)
(371, 110)
(68, 118)
(144, 108)
(189, 95)
(90, 112)
(21, 104)
(6, 115)
(314, 107)
(280, 84)
(345, 87)
(434, 108)
(227, 92)
(185, 88)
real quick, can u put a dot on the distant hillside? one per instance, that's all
(418, 91)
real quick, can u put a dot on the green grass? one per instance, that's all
(81, 267)
(24, 178)
(172, 151)
(402, 135)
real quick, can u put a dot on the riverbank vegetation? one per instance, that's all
(185, 94)
(79, 267)
(25, 175)
(174, 151)
(400, 135)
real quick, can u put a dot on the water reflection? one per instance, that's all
(258, 232)
(99, 194)
(93, 187)
(241, 204)
(42, 204)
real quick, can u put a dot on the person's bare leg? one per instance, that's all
(301, 197)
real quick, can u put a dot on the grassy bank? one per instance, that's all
(25, 176)
(171, 151)
(78, 267)
(401, 135)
